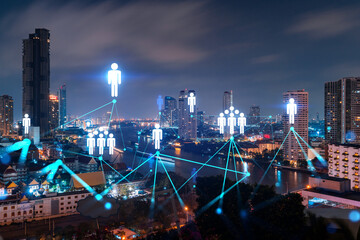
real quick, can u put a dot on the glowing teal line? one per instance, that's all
(227, 163)
(82, 182)
(321, 159)
(81, 154)
(109, 188)
(177, 194)
(219, 197)
(204, 164)
(84, 115)
(153, 191)
(115, 170)
(234, 159)
(302, 149)
(198, 170)
(122, 137)
(167, 121)
(263, 176)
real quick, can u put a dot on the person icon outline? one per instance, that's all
(114, 79)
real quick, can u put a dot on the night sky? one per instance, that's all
(256, 48)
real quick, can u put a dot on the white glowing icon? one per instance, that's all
(101, 129)
(231, 108)
(101, 143)
(111, 143)
(114, 79)
(106, 133)
(157, 136)
(160, 102)
(91, 143)
(232, 123)
(96, 132)
(226, 111)
(26, 123)
(291, 110)
(242, 122)
(237, 111)
(221, 123)
(192, 101)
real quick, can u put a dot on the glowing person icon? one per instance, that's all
(242, 122)
(291, 110)
(157, 136)
(111, 143)
(160, 102)
(114, 79)
(221, 123)
(232, 123)
(192, 101)
(26, 123)
(101, 143)
(91, 143)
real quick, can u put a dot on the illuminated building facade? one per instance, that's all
(292, 149)
(342, 111)
(53, 112)
(254, 115)
(6, 115)
(169, 113)
(344, 162)
(62, 105)
(36, 78)
(187, 121)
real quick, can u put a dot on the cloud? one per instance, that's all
(327, 23)
(84, 35)
(266, 59)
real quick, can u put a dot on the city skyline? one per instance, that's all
(242, 62)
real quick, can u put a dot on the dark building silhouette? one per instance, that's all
(53, 112)
(254, 115)
(62, 105)
(36, 78)
(342, 111)
(187, 120)
(227, 100)
(6, 115)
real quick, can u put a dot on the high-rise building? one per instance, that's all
(62, 105)
(342, 111)
(169, 113)
(53, 112)
(6, 115)
(227, 100)
(254, 115)
(187, 121)
(200, 123)
(36, 78)
(292, 150)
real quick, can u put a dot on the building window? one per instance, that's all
(62, 209)
(62, 203)
(5, 208)
(13, 214)
(69, 202)
(69, 197)
(62, 198)
(19, 213)
(5, 215)
(24, 212)
(40, 206)
(30, 211)
(12, 207)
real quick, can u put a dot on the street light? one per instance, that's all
(187, 213)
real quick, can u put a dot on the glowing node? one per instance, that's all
(98, 197)
(178, 136)
(194, 186)
(108, 205)
(192, 116)
(114, 66)
(243, 213)
(124, 149)
(354, 216)
(292, 128)
(270, 116)
(152, 200)
(58, 162)
(150, 170)
(159, 113)
(277, 184)
(221, 195)
(232, 138)
(100, 158)
(218, 211)
(114, 100)
(247, 174)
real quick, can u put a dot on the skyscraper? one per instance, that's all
(169, 113)
(227, 100)
(6, 115)
(36, 78)
(342, 111)
(254, 115)
(292, 150)
(53, 112)
(62, 105)
(187, 121)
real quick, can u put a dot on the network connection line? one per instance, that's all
(226, 168)
(204, 164)
(152, 205)
(212, 202)
(263, 176)
(318, 156)
(304, 153)
(122, 137)
(23, 145)
(172, 184)
(115, 170)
